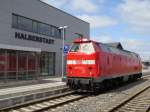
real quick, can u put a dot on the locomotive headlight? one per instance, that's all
(90, 73)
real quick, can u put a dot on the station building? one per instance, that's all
(30, 38)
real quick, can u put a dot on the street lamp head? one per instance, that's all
(63, 27)
(60, 28)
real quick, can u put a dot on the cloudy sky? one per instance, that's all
(127, 21)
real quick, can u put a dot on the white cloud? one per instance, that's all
(136, 14)
(98, 21)
(145, 55)
(84, 5)
(139, 46)
(103, 38)
(135, 44)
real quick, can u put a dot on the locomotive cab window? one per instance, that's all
(75, 47)
(82, 47)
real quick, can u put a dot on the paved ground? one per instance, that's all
(16, 83)
(30, 90)
(29, 86)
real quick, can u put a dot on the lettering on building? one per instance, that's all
(29, 37)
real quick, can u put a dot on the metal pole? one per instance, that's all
(63, 38)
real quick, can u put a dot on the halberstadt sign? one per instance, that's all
(24, 36)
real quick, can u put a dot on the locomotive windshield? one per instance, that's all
(82, 47)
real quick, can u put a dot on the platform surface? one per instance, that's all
(37, 85)
(14, 95)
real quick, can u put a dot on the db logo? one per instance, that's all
(78, 62)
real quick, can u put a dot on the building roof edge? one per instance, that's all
(62, 11)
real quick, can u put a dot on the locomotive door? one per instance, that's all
(109, 64)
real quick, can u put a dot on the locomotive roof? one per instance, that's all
(116, 45)
(119, 48)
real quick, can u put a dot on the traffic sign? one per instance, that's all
(66, 48)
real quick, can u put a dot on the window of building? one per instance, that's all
(53, 31)
(34, 26)
(24, 24)
(12, 59)
(14, 21)
(58, 33)
(44, 29)
(47, 63)
(2, 61)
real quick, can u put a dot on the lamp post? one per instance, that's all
(63, 40)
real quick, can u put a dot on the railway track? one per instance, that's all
(138, 102)
(47, 103)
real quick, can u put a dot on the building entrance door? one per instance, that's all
(47, 64)
(52, 64)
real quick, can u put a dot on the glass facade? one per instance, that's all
(35, 27)
(18, 64)
(44, 29)
(26, 24)
(2, 64)
(47, 63)
(21, 65)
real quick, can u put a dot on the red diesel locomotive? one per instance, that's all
(91, 64)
